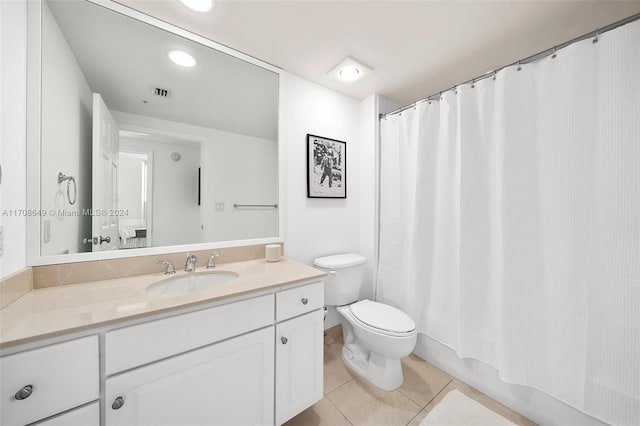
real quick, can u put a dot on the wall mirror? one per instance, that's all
(149, 137)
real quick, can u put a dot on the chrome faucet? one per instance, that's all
(190, 264)
(169, 264)
(212, 260)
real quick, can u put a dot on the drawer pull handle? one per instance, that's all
(24, 393)
(304, 300)
(118, 403)
(284, 340)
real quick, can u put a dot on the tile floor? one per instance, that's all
(350, 400)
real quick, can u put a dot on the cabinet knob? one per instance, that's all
(118, 403)
(284, 340)
(304, 300)
(24, 393)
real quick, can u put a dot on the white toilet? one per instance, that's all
(376, 335)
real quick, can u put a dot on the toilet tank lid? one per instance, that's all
(338, 261)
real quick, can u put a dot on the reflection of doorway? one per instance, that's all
(104, 182)
(174, 214)
(136, 193)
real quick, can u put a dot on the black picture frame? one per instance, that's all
(326, 167)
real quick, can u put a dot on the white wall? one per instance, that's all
(13, 41)
(368, 156)
(239, 169)
(66, 141)
(317, 227)
(175, 212)
(131, 189)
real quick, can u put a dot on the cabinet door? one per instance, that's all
(299, 364)
(223, 384)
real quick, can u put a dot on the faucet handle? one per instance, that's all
(171, 269)
(190, 264)
(212, 260)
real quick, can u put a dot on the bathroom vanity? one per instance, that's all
(247, 352)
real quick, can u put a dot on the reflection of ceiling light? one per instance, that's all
(198, 5)
(132, 134)
(182, 58)
(349, 70)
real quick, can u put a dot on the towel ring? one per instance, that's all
(61, 178)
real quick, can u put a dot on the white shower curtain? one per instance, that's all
(510, 223)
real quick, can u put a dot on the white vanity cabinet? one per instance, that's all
(39, 383)
(299, 350)
(227, 383)
(213, 366)
(88, 415)
(256, 359)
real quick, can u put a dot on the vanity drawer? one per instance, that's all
(89, 415)
(299, 300)
(61, 377)
(144, 343)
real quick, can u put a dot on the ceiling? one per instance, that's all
(416, 48)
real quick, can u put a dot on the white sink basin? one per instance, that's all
(191, 283)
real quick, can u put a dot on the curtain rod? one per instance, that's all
(527, 60)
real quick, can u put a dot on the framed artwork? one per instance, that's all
(326, 167)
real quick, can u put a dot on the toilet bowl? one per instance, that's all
(376, 335)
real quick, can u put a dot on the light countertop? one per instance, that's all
(61, 310)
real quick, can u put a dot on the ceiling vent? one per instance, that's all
(163, 93)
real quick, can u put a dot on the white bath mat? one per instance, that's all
(457, 409)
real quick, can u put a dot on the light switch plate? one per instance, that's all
(46, 237)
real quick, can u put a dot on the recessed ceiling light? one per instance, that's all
(182, 58)
(198, 5)
(349, 73)
(349, 70)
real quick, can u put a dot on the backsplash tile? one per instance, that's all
(14, 286)
(79, 272)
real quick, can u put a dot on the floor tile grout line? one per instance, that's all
(340, 411)
(413, 418)
(436, 395)
(417, 405)
(327, 394)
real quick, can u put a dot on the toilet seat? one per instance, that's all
(383, 319)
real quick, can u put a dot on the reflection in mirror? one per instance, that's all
(159, 152)
(135, 192)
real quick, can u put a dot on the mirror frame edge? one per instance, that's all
(33, 133)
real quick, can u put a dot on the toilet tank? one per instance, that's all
(345, 277)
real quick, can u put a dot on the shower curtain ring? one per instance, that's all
(519, 66)
(554, 53)
(595, 39)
